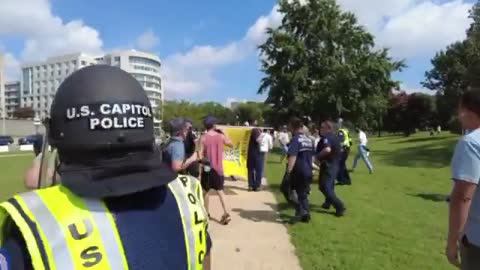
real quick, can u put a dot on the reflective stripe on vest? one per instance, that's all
(9, 210)
(88, 236)
(193, 219)
(64, 231)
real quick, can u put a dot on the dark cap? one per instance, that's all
(210, 120)
(177, 125)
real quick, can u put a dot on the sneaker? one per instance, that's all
(250, 189)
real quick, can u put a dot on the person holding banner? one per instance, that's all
(255, 160)
(212, 144)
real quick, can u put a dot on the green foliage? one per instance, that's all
(250, 111)
(320, 62)
(455, 69)
(196, 112)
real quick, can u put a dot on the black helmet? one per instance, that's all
(102, 125)
(100, 108)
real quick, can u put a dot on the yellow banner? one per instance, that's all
(235, 158)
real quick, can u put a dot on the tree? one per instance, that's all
(320, 62)
(24, 113)
(196, 112)
(250, 111)
(454, 70)
(406, 113)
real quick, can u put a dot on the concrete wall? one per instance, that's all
(19, 128)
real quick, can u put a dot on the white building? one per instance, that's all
(2, 89)
(12, 98)
(145, 67)
(41, 80)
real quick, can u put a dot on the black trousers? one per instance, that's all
(470, 255)
(300, 184)
(343, 174)
(328, 174)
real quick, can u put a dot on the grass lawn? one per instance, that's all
(396, 218)
(12, 168)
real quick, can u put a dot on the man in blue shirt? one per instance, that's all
(175, 149)
(464, 218)
(329, 154)
(300, 152)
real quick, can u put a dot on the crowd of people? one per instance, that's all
(327, 149)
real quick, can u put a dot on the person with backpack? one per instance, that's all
(174, 151)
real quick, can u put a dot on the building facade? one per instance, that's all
(145, 67)
(41, 80)
(12, 98)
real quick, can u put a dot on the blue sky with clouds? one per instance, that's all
(208, 48)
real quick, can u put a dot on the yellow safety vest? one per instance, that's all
(63, 231)
(347, 140)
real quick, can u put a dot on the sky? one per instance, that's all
(209, 48)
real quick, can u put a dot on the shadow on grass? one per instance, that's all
(434, 155)
(420, 140)
(434, 197)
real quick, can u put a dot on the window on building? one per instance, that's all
(52, 74)
(44, 67)
(74, 62)
(117, 58)
(84, 63)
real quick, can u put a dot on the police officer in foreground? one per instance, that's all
(329, 154)
(343, 177)
(119, 206)
(299, 168)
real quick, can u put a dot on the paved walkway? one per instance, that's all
(255, 239)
